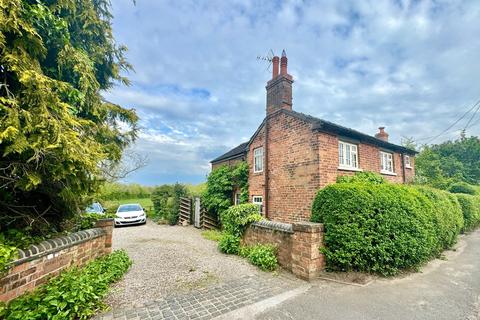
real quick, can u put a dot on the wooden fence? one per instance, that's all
(185, 213)
(189, 213)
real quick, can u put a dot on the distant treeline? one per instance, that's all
(121, 191)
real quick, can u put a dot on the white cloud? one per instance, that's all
(410, 65)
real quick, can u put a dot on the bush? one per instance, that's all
(236, 218)
(462, 187)
(166, 202)
(74, 294)
(365, 176)
(471, 211)
(447, 216)
(229, 243)
(383, 228)
(7, 254)
(262, 256)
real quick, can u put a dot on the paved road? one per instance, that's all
(447, 290)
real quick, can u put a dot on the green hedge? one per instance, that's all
(471, 210)
(462, 187)
(75, 294)
(384, 228)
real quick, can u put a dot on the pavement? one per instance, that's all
(447, 288)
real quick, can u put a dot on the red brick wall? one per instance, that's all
(369, 160)
(297, 245)
(256, 181)
(257, 233)
(41, 262)
(293, 177)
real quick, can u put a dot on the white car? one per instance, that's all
(130, 214)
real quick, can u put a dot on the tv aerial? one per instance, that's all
(267, 58)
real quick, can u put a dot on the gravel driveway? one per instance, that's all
(170, 259)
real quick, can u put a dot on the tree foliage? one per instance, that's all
(449, 162)
(166, 201)
(56, 57)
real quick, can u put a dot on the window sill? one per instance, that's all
(388, 173)
(408, 167)
(257, 172)
(349, 169)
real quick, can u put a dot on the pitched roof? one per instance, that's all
(330, 127)
(234, 153)
(324, 126)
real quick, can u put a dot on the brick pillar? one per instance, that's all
(307, 261)
(107, 226)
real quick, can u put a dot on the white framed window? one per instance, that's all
(408, 163)
(258, 159)
(347, 155)
(258, 200)
(237, 198)
(386, 162)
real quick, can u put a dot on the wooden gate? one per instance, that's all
(192, 211)
(185, 211)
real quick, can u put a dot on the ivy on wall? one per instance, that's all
(221, 183)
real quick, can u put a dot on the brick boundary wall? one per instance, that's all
(298, 245)
(37, 264)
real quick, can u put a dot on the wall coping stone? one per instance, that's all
(308, 227)
(274, 225)
(54, 245)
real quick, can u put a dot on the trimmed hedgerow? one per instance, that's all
(462, 187)
(74, 294)
(447, 216)
(364, 176)
(471, 211)
(383, 228)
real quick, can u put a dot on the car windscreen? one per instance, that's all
(94, 208)
(130, 207)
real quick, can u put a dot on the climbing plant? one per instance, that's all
(221, 183)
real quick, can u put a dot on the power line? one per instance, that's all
(471, 118)
(452, 125)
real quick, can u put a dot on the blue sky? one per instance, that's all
(411, 66)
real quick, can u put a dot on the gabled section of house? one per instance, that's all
(291, 155)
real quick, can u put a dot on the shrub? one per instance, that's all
(7, 254)
(447, 216)
(236, 218)
(229, 243)
(166, 202)
(74, 294)
(262, 256)
(365, 176)
(382, 228)
(471, 210)
(462, 187)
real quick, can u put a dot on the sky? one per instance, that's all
(199, 89)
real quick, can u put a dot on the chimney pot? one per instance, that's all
(275, 61)
(382, 135)
(283, 63)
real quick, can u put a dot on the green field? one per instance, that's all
(112, 205)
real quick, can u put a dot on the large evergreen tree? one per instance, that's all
(56, 57)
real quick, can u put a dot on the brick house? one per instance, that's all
(292, 155)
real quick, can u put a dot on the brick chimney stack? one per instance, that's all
(382, 135)
(279, 88)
